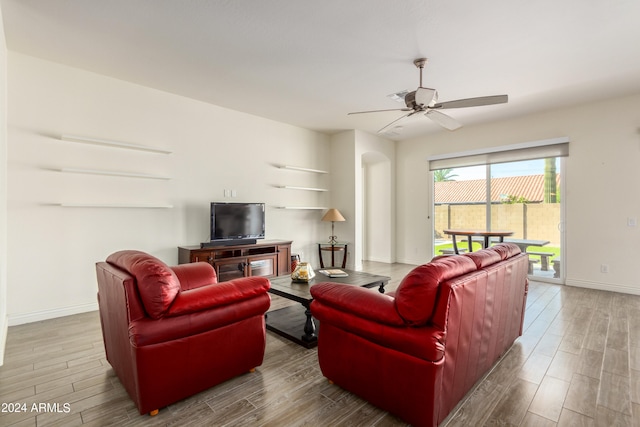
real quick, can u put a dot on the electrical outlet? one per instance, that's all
(604, 268)
(227, 193)
(632, 222)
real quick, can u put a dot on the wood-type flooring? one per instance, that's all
(577, 364)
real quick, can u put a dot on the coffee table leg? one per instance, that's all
(309, 326)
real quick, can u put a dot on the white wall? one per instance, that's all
(359, 159)
(343, 193)
(52, 250)
(3, 191)
(377, 209)
(377, 160)
(601, 175)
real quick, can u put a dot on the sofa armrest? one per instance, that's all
(373, 316)
(358, 301)
(218, 294)
(195, 275)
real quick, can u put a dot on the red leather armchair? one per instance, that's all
(171, 332)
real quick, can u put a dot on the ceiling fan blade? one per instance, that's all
(395, 122)
(443, 120)
(473, 102)
(379, 111)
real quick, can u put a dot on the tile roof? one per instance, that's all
(531, 187)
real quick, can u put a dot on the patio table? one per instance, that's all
(523, 244)
(469, 234)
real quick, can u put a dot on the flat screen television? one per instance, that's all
(236, 222)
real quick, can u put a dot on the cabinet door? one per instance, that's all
(202, 256)
(230, 269)
(284, 260)
(263, 265)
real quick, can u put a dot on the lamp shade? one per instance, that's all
(333, 215)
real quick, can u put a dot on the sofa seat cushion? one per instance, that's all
(416, 295)
(157, 283)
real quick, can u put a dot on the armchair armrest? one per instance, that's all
(195, 275)
(218, 294)
(148, 331)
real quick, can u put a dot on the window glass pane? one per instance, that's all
(460, 197)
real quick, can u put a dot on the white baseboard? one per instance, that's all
(412, 261)
(611, 287)
(4, 324)
(19, 319)
(384, 260)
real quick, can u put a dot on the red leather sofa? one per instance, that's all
(171, 332)
(417, 351)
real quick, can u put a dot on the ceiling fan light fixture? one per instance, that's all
(425, 96)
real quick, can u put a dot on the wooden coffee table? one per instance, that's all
(296, 323)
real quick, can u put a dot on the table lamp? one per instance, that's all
(333, 215)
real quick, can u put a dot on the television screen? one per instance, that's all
(236, 221)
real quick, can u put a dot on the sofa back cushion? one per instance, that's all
(484, 257)
(506, 250)
(417, 293)
(157, 283)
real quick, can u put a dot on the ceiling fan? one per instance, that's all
(425, 100)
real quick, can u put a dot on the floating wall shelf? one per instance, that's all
(303, 188)
(296, 168)
(113, 205)
(113, 173)
(116, 144)
(292, 187)
(302, 207)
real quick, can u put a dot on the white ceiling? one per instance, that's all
(309, 63)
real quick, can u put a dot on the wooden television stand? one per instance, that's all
(264, 258)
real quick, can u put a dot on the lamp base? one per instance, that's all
(333, 239)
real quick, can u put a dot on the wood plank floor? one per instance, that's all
(578, 363)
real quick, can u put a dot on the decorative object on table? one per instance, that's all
(333, 215)
(303, 272)
(334, 272)
(295, 259)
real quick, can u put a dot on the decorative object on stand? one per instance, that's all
(333, 215)
(303, 272)
(295, 259)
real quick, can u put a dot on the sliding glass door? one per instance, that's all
(522, 197)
